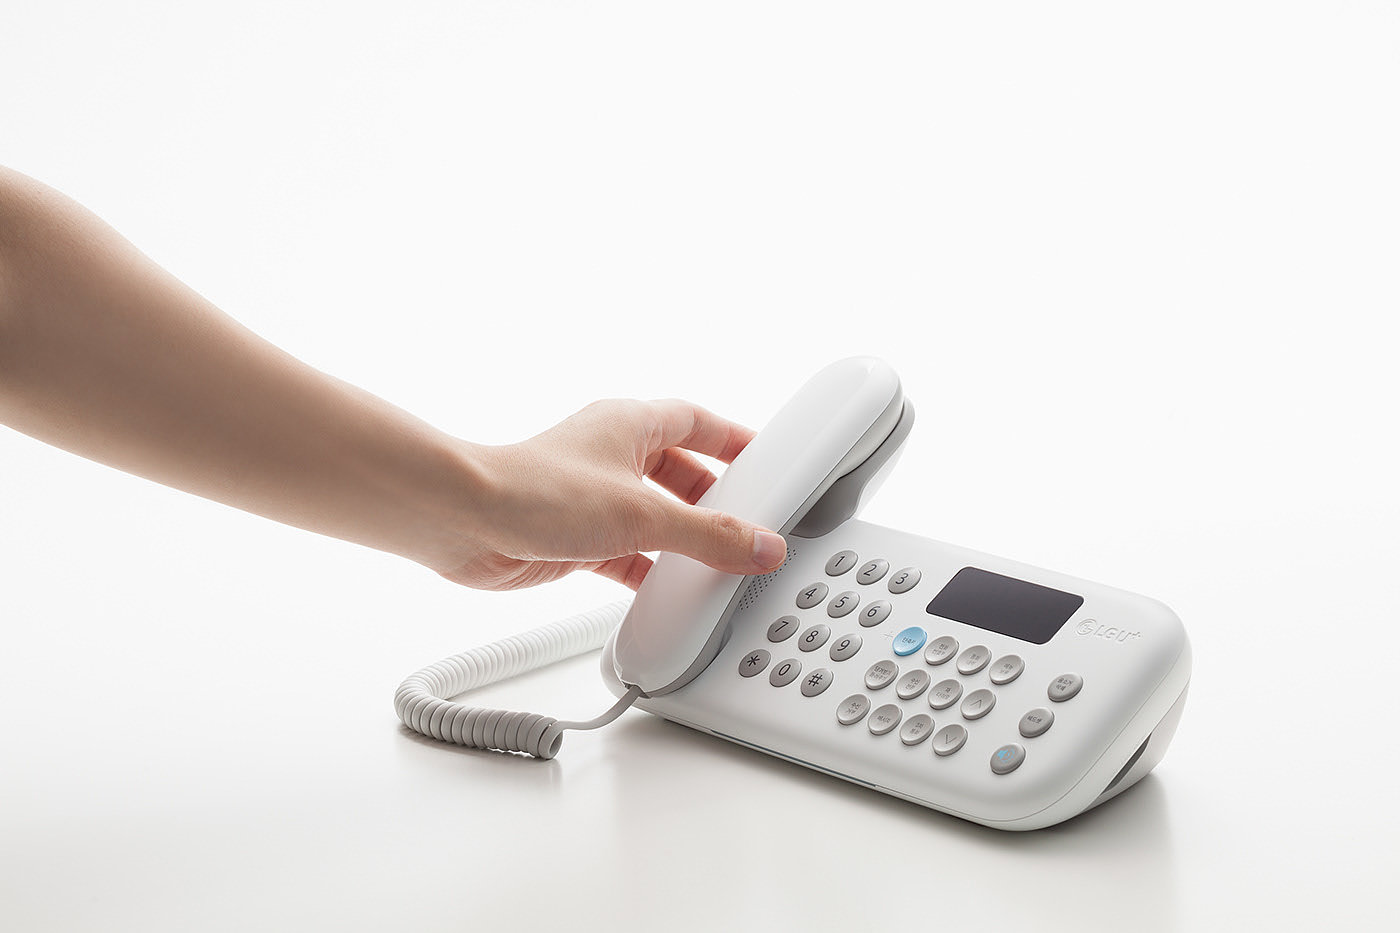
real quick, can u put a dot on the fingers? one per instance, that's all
(680, 474)
(629, 570)
(716, 538)
(681, 424)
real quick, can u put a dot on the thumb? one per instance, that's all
(719, 539)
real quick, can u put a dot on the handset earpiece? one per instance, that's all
(849, 414)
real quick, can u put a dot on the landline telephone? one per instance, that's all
(1005, 694)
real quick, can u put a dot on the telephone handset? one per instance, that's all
(974, 735)
(850, 415)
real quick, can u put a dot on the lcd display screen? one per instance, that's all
(990, 601)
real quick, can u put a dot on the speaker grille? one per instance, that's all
(758, 584)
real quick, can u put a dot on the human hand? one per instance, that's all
(573, 498)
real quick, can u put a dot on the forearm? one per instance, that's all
(106, 355)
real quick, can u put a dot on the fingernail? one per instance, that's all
(769, 550)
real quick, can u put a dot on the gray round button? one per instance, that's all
(885, 718)
(940, 650)
(912, 684)
(754, 662)
(880, 674)
(1008, 758)
(974, 659)
(1037, 722)
(840, 562)
(949, 739)
(875, 613)
(872, 571)
(945, 694)
(905, 580)
(842, 605)
(783, 629)
(811, 596)
(1065, 687)
(978, 704)
(814, 637)
(785, 673)
(815, 682)
(853, 709)
(916, 729)
(844, 648)
(1006, 669)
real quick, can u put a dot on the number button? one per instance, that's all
(754, 662)
(1065, 687)
(905, 580)
(840, 562)
(942, 648)
(916, 729)
(1007, 669)
(782, 629)
(945, 694)
(814, 637)
(846, 648)
(842, 605)
(811, 596)
(873, 571)
(880, 674)
(785, 673)
(885, 718)
(912, 684)
(949, 739)
(853, 709)
(978, 704)
(815, 682)
(974, 659)
(875, 613)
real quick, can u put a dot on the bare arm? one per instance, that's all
(105, 354)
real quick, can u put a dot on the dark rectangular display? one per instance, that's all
(1027, 611)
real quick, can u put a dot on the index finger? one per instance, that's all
(682, 424)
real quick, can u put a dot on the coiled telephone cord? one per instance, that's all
(424, 700)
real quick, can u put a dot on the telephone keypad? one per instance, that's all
(873, 571)
(811, 595)
(912, 684)
(978, 704)
(949, 739)
(814, 637)
(840, 562)
(853, 709)
(754, 662)
(945, 694)
(905, 580)
(880, 674)
(785, 673)
(816, 682)
(941, 650)
(842, 604)
(974, 659)
(1007, 669)
(875, 613)
(916, 729)
(885, 719)
(845, 648)
(783, 628)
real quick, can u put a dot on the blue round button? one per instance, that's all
(909, 640)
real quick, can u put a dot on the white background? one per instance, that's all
(1136, 264)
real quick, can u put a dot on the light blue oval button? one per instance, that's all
(909, 640)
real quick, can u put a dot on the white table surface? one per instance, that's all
(1136, 267)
